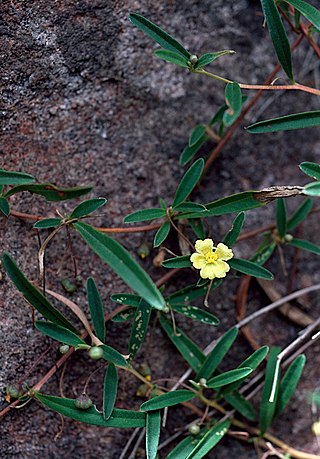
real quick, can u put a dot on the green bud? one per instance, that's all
(14, 390)
(288, 238)
(95, 353)
(83, 402)
(193, 59)
(194, 429)
(64, 348)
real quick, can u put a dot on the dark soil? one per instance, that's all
(85, 101)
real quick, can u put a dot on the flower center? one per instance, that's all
(211, 257)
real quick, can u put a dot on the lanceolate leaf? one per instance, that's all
(59, 333)
(126, 298)
(264, 251)
(189, 152)
(87, 207)
(278, 36)
(14, 178)
(168, 399)
(47, 223)
(119, 418)
(300, 214)
(207, 58)
(307, 10)
(112, 253)
(305, 245)
(173, 58)
(145, 214)
(252, 269)
(217, 354)
(113, 356)
(311, 169)
(196, 134)
(210, 440)
(110, 388)
(187, 348)
(286, 123)
(157, 34)
(162, 234)
(228, 377)
(289, 383)
(198, 228)
(186, 446)
(4, 206)
(281, 214)
(153, 427)
(196, 313)
(123, 316)
(240, 404)
(188, 182)
(234, 103)
(178, 262)
(232, 236)
(267, 407)
(50, 192)
(190, 207)
(312, 189)
(96, 309)
(192, 292)
(33, 295)
(139, 328)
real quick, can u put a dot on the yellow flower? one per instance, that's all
(211, 260)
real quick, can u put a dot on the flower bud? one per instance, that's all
(14, 391)
(83, 402)
(64, 348)
(193, 59)
(95, 353)
(194, 429)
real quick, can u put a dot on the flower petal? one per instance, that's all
(223, 252)
(220, 268)
(204, 246)
(208, 271)
(198, 260)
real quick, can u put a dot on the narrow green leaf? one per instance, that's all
(278, 36)
(59, 333)
(264, 251)
(192, 292)
(168, 399)
(112, 253)
(311, 169)
(120, 418)
(196, 314)
(289, 383)
(253, 361)
(4, 206)
(189, 152)
(14, 178)
(252, 269)
(233, 99)
(173, 58)
(188, 182)
(228, 377)
(33, 295)
(207, 58)
(235, 203)
(210, 440)
(123, 316)
(267, 407)
(178, 262)
(50, 192)
(307, 10)
(162, 234)
(281, 217)
(96, 309)
(198, 228)
(286, 123)
(110, 388)
(187, 348)
(113, 356)
(240, 404)
(312, 189)
(47, 223)
(145, 214)
(197, 134)
(300, 214)
(186, 446)
(190, 207)
(153, 427)
(305, 245)
(126, 298)
(87, 207)
(232, 236)
(139, 328)
(217, 354)
(157, 34)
